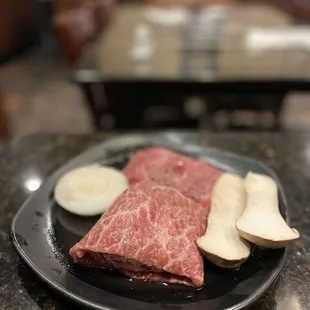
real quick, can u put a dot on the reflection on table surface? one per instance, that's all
(143, 42)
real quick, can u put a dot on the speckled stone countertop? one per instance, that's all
(28, 160)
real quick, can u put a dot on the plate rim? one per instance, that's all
(145, 137)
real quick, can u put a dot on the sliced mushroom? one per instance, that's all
(221, 243)
(262, 222)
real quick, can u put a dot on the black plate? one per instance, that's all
(42, 233)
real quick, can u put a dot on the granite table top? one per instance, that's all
(27, 161)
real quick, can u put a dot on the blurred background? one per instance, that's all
(79, 66)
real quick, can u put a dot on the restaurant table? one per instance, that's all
(27, 161)
(205, 56)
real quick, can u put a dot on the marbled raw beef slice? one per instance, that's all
(194, 178)
(148, 233)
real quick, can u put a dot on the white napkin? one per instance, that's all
(261, 39)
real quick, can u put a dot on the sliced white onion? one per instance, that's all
(89, 190)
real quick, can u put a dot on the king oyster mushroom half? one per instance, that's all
(221, 244)
(262, 223)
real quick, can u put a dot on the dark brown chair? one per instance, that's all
(17, 27)
(299, 9)
(4, 123)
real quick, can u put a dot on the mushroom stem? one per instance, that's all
(262, 222)
(221, 243)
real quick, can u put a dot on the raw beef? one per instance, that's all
(148, 233)
(194, 178)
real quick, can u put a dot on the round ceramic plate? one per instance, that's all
(43, 233)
